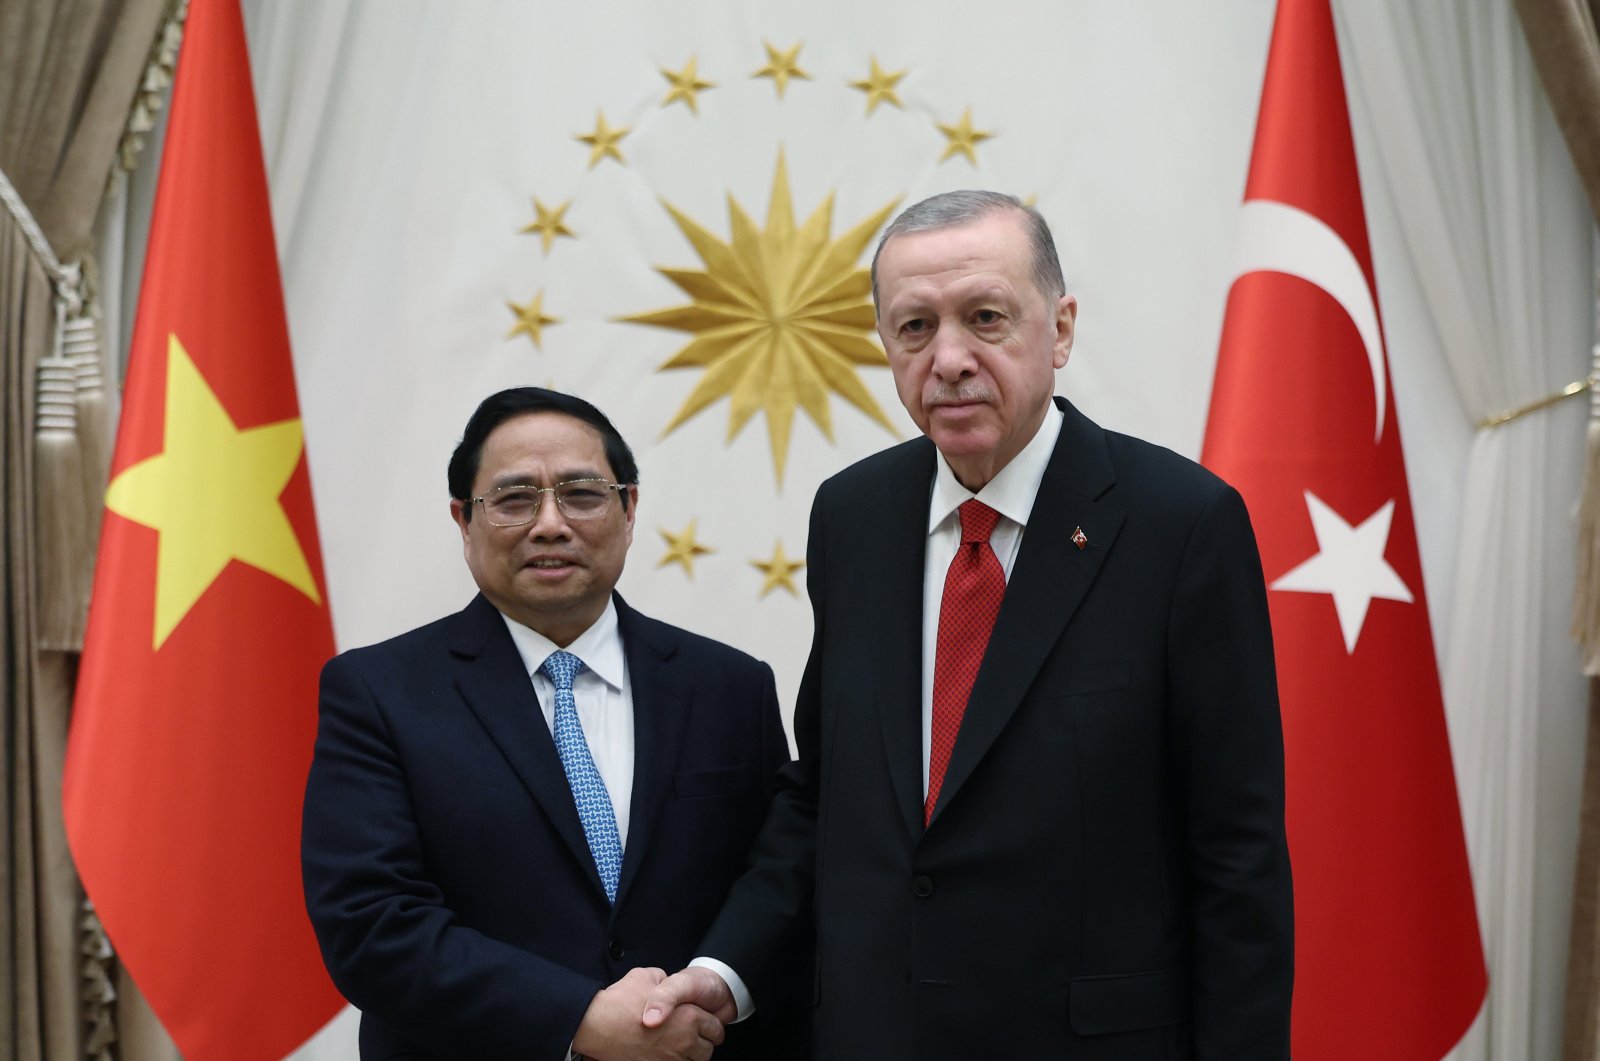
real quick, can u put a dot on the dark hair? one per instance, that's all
(949, 209)
(496, 409)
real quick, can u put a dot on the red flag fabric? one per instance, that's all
(195, 713)
(1389, 963)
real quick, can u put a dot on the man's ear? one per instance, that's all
(1066, 328)
(458, 514)
(632, 510)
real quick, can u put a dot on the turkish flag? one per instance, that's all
(196, 702)
(1389, 963)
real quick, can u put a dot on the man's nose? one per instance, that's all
(952, 354)
(549, 522)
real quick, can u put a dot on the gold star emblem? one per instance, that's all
(780, 316)
(531, 319)
(781, 66)
(963, 137)
(603, 141)
(212, 495)
(549, 223)
(685, 84)
(779, 571)
(682, 548)
(879, 86)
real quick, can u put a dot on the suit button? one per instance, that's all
(614, 948)
(921, 886)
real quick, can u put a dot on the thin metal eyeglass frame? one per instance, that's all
(539, 492)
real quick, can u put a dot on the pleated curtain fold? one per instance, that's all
(70, 70)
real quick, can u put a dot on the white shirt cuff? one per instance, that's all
(741, 994)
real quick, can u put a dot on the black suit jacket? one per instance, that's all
(446, 871)
(1106, 873)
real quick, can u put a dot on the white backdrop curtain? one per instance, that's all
(1492, 219)
(404, 141)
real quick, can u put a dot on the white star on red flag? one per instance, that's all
(1388, 958)
(1348, 565)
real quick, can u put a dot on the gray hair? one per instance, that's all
(949, 209)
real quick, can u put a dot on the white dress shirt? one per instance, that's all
(603, 696)
(1010, 493)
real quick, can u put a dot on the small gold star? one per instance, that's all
(779, 571)
(685, 84)
(531, 318)
(603, 141)
(963, 137)
(879, 86)
(781, 66)
(550, 223)
(682, 549)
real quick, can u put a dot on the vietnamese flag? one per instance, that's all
(1389, 963)
(196, 703)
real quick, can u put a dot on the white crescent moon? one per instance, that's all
(1277, 238)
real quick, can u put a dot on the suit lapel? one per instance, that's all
(660, 690)
(491, 678)
(897, 630)
(1048, 582)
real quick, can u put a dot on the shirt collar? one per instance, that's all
(1012, 490)
(600, 646)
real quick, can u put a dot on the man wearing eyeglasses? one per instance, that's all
(545, 794)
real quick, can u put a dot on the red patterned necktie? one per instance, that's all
(972, 591)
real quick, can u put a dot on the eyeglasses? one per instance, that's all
(578, 499)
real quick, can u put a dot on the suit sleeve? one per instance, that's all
(1228, 750)
(388, 937)
(763, 930)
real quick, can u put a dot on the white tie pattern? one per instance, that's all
(595, 812)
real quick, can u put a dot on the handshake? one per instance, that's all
(650, 1016)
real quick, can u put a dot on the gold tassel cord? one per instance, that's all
(97, 991)
(1571, 390)
(153, 87)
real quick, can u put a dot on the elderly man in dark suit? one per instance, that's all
(1038, 806)
(545, 794)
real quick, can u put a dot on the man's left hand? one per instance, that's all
(613, 1028)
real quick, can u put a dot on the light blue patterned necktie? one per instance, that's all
(588, 788)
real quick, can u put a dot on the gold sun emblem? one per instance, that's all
(781, 317)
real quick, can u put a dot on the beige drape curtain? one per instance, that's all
(1562, 37)
(69, 72)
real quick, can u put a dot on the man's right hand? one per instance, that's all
(696, 988)
(612, 1030)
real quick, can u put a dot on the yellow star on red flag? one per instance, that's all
(212, 494)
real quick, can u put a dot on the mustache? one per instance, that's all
(952, 394)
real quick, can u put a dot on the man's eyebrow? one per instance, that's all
(566, 476)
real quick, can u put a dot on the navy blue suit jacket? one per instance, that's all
(1106, 874)
(446, 872)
